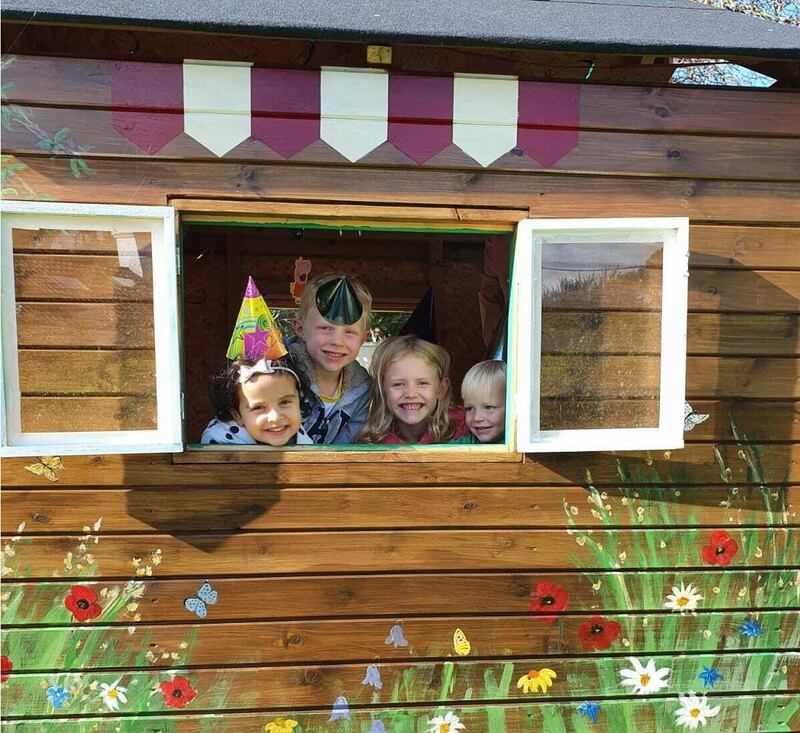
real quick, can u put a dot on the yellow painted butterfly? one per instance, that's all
(46, 466)
(461, 643)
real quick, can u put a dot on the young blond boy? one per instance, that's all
(483, 391)
(336, 387)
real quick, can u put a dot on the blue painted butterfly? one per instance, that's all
(206, 596)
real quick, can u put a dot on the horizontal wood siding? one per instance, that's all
(325, 568)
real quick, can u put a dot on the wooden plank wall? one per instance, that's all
(340, 586)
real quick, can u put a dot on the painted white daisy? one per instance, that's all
(447, 723)
(644, 680)
(694, 711)
(684, 598)
(113, 694)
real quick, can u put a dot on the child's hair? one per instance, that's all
(308, 299)
(381, 422)
(225, 386)
(483, 376)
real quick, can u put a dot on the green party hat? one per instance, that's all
(337, 302)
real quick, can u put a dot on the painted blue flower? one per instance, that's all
(373, 677)
(57, 696)
(589, 710)
(710, 676)
(751, 628)
(378, 727)
(341, 710)
(396, 637)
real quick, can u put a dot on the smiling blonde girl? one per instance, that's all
(410, 399)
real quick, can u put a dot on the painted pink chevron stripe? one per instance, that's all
(285, 108)
(147, 101)
(544, 106)
(420, 115)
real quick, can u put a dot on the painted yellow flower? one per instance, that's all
(280, 725)
(537, 679)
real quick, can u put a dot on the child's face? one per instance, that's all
(412, 388)
(485, 413)
(331, 347)
(269, 408)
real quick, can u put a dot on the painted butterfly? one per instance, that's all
(206, 596)
(692, 418)
(46, 466)
(461, 643)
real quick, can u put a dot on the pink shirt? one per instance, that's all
(457, 417)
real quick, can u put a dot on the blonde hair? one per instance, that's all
(483, 376)
(308, 300)
(381, 422)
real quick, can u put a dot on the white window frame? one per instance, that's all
(159, 221)
(527, 293)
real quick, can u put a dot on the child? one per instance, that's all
(484, 393)
(411, 394)
(255, 402)
(331, 325)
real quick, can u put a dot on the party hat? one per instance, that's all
(255, 335)
(422, 321)
(337, 302)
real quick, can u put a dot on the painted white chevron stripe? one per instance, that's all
(485, 115)
(354, 107)
(216, 103)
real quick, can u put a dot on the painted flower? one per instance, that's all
(546, 597)
(751, 628)
(57, 696)
(341, 710)
(6, 665)
(447, 723)
(396, 637)
(113, 694)
(598, 633)
(645, 680)
(694, 711)
(280, 725)
(377, 726)
(373, 677)
(82, 603)
(177, 692)
(720, 549)
(684, 598)
(537, 679)
(589, 710)
(710, 676)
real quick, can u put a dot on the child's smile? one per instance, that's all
(269, 408)
(412, 389)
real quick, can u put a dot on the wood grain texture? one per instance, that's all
(227, 644)
(697, 464)
(163, 509)
(201, 555)
(548, 195)
(269, 688)
(698, 156)
(409, 597)
(69, 414)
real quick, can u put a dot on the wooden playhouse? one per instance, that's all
(629, 558)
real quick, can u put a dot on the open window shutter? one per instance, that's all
(600, 330)
(90, 329)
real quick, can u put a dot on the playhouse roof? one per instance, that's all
(651, 27)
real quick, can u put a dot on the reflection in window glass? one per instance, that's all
(84, 307)
(601, 330)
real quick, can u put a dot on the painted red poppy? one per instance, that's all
(178, 693)
(5, 668)
(598, 633)
(548, 597)
(82, 603)
(720, 550)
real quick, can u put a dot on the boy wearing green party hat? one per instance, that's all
(257, 395)
(332, 319)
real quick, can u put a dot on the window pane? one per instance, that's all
(601, 329)
(84, 308)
